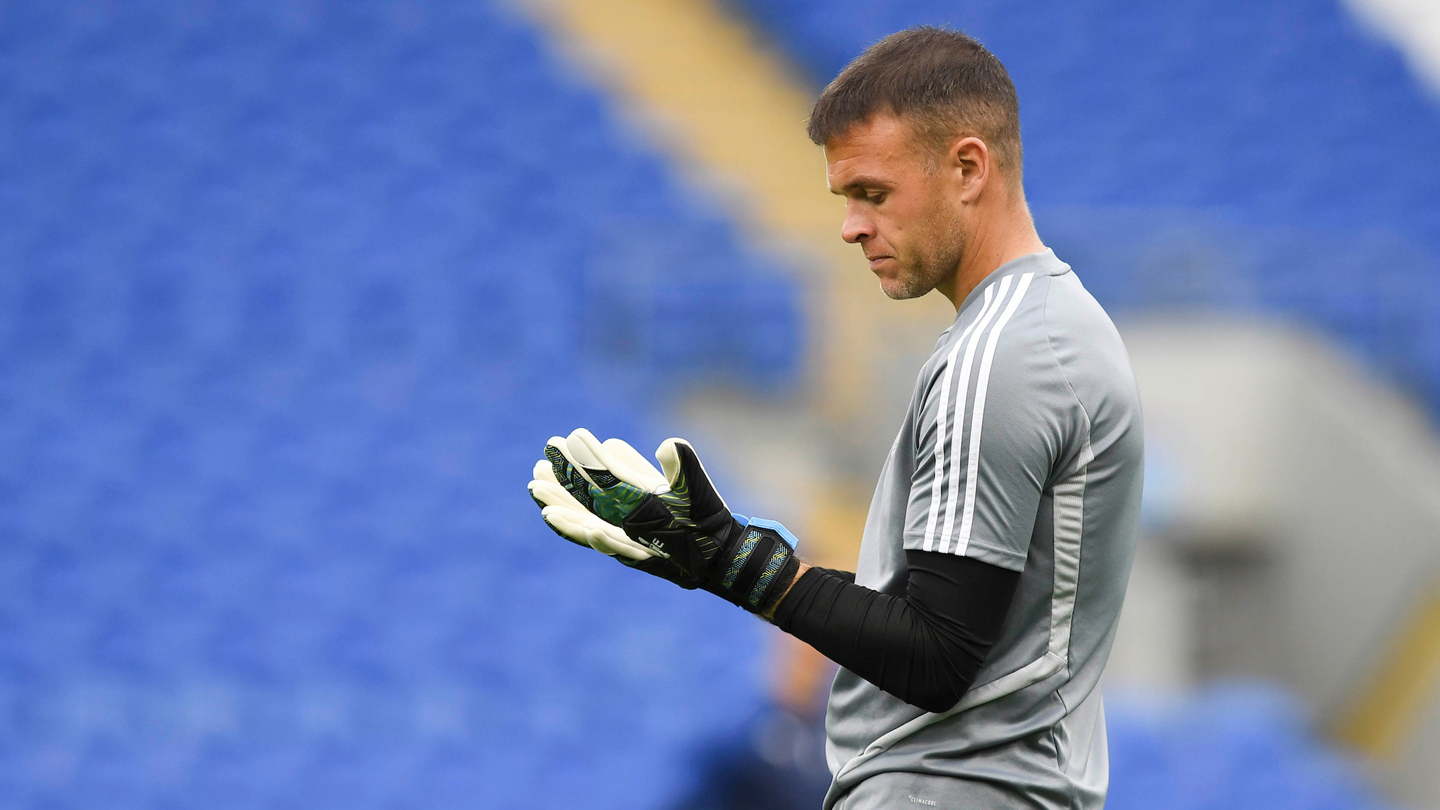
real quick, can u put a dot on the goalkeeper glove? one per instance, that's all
(678, 514)
(567, 518)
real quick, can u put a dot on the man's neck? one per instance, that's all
(992, 245)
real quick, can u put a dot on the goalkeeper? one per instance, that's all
(972, 636)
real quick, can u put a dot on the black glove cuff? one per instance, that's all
(754, 570)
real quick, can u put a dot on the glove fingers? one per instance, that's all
(597, 489)
(618, 455)
(584, 529)
(579, 526)
(563, 522)
(607, 539)
(597, 458)
(689, 483)
(544, 472)
(568, 523)
(668, 454)
(577, 461)
(559, 445)
(547, 493)
(567, 473)
(580, 447)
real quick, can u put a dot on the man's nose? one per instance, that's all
(857, 225)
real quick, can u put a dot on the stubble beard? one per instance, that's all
(937, 257)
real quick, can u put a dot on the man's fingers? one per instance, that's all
(563, 522)
(563, 461)
(638, 469)
(607, 539)
(580, 447)
(595, 458)
(581, 527)
(690, 485)
(566, 472)
(548, 493)
(668, 454)
(556, 502)
(587, 489)
(682, 465)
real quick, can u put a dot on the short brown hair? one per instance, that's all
(944, 82)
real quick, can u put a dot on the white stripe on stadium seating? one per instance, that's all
(977, 420)
(937, 478)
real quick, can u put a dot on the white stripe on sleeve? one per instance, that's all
(962, 541)
(937, 479)
(960, 405)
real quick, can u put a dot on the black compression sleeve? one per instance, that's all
(925, 647)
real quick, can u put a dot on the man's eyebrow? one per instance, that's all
(860, 182)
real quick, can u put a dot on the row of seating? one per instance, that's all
(292, 297)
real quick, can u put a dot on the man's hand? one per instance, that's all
(617, 484)
(567, 518)
(678, 515)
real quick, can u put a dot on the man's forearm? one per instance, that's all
(925, 647)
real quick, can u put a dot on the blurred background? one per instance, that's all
(292, 294)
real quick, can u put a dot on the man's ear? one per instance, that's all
(969, 159)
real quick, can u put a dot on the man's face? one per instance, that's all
(899, 207)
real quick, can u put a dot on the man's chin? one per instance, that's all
(903, 289)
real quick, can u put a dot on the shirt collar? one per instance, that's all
(1042, 263)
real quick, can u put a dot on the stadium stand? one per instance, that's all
(292, 298)
(1233, 746)
(1276, 154)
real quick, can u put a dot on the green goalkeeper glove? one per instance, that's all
(678, 515)
(567, 518)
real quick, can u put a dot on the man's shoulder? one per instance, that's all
(1036, 330)
(1087, 346)
(1005, 309)
(997, 352)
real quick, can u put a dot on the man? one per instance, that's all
(995, 555)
